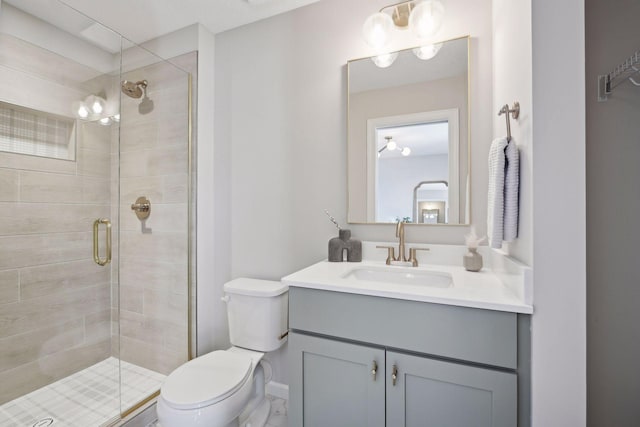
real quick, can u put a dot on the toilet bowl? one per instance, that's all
(225, 388)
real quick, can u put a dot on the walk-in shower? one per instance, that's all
(94, 302)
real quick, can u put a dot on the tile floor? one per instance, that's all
(85, 399)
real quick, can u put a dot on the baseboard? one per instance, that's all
(277, 390)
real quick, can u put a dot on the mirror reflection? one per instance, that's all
(408, 136)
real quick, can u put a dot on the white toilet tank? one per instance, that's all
(258, 313)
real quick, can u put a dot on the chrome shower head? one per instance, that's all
(133, 89)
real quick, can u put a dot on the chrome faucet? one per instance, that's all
(400, 235)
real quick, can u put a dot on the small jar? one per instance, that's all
(472, 260)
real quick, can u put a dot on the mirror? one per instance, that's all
(408, 133)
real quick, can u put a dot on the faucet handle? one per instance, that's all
(391, 254)
(412, 255)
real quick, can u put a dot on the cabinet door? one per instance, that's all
(332, 384)
(435, 393)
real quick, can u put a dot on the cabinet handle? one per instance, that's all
(374, 370)
(394, 375)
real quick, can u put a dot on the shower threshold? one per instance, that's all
(88, 398)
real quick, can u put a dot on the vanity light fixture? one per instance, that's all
(392, 145)
(424, 18)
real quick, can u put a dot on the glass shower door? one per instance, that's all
(154, 224)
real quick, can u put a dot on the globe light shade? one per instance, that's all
(426, 18)
(391, 145)
(385, 60)
(406, 151)
(377, 30)
(428, 51)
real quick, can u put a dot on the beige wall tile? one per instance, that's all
(40, 218)
(59, 278)
(35, 313)
(94, 163)
(153, 187)
(9, 286)
(24, 348)
(162, 160)
(155, 275)
(94, 136)
(131, 298)
(169, 307)
(146, 355)
(31, 376)
(31, 250)
(97, 326)
(142, 328)
(58, 188)
(176, 188)
(9, 185)
(42, 164)
(160, 246)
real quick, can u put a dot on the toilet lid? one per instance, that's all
(206, 380)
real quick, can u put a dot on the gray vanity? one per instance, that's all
(376, 354)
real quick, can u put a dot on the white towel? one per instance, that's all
(511, 186)
(495, 211)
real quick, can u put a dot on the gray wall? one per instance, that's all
(613, 204)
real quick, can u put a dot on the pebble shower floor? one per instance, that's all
(88, 398)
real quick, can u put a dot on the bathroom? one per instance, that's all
(268, 96)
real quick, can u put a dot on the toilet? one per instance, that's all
(226, 388)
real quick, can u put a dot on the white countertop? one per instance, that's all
(487, 289)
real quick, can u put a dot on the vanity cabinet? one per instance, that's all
(453, 366)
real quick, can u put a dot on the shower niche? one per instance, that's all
(85, 342)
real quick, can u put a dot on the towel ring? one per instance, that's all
(515, 113)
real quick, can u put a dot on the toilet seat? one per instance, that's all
(207, 379)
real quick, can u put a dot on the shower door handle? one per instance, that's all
(96, 256)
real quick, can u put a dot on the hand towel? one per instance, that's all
(495, 208)
(511, 187)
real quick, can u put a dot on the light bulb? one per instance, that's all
(83, 112)
(80, 110)
(384, 60)
(426, 18)
(428, 51)
(96, 104)
(406, 151)
(116, 118)
(105, 121)
(391, 145)
(377, 30)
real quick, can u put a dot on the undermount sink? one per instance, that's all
(401, 276)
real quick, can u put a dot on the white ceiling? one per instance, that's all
(142, 20)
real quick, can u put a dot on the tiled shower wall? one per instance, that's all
(154, 253)
(54, 300)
